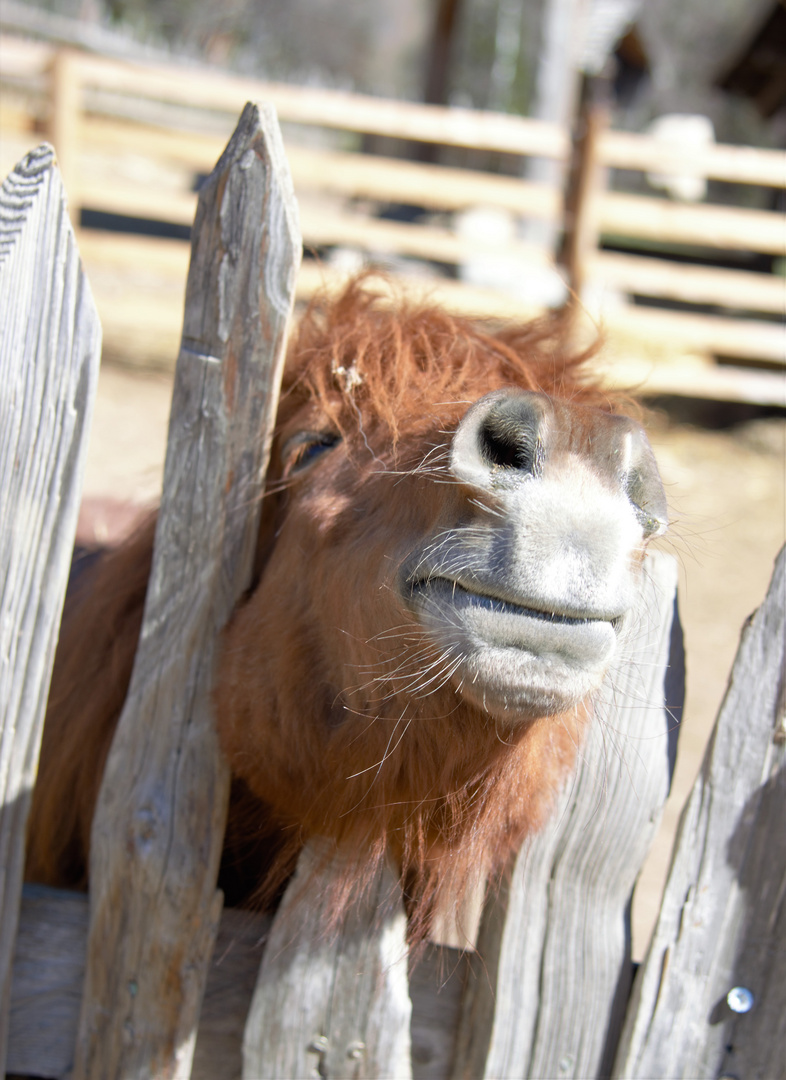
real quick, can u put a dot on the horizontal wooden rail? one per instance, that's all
(743, 290)
(674, 373)
(49, 971)
(122, 251)
(702, 225)
(740, 338)
(350, 175)
(137, 151)
(23, 58)
(432, 186)
(737, 164)
(207, 88)
(470, 300)
(744, 338)
(137, 200)
(440, 188)
(422, 241)
(324, 227)
(113, 137)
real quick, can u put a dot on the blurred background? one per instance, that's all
(503, 156)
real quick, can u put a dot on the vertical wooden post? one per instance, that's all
(159, 824)
(332, 1006)
(550, 998)
(50, 344)
(710, 997)
(585, 181)
(65, 104)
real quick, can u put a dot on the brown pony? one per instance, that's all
(450, 547)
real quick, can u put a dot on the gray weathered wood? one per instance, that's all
(49, 968)
(436, 987)
(158, 828)
(50, 344)
(46, 988)
(556, 943)
(332, 1004)
(722, 922)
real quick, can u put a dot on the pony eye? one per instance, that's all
(304, 448)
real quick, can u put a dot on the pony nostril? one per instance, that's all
(505, 444)
(502, 431)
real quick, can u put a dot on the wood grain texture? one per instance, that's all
(723, 917)
(332, 1004)
(49, 969)
(50, 344)
(158, 829)
(556, 943)
(46, 989)
(436, 988)
(48, 974)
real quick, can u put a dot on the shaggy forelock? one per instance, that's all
(387, 359)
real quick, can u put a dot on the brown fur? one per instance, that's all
(323, 735)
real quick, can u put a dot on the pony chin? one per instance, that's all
(547, 689)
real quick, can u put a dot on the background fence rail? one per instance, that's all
(134, 139)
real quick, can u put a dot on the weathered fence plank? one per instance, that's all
(332, 1004)
(49, 969)
(556, 944)
(154, 904)
(722, 923)
(50, 343)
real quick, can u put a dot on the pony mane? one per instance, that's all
(389, 357)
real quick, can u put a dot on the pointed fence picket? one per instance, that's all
(50, 341)
(137, 986)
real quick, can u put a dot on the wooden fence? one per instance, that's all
(153, 981)
(134, 139)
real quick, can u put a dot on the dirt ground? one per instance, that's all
(727, 493)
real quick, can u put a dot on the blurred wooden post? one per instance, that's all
(50, 345)
(581, 237)
(65, 103)
(159, 824)
(710, 997)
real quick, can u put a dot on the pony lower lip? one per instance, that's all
(446, 587)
